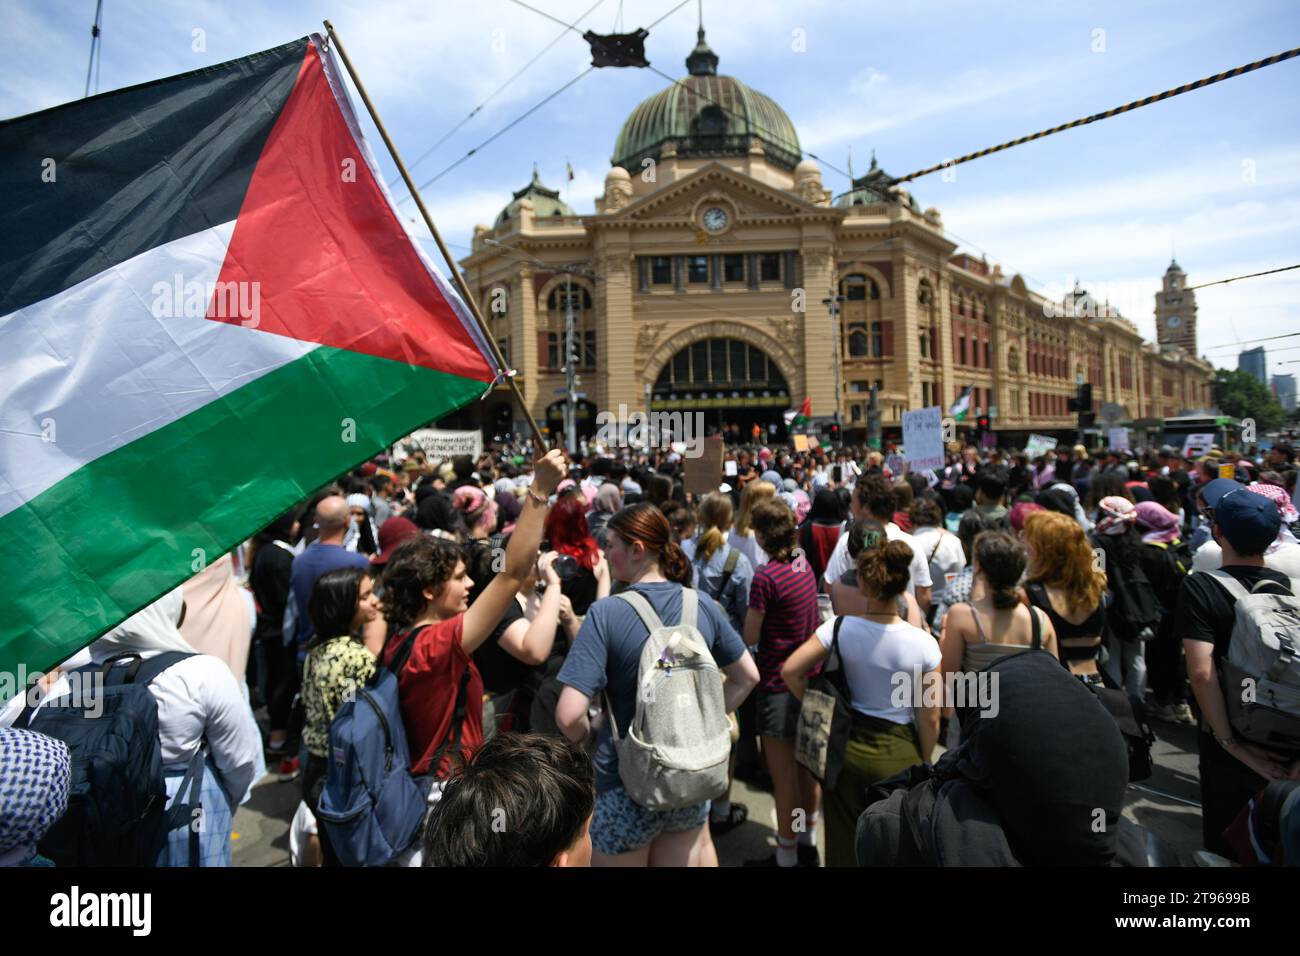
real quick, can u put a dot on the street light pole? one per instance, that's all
(833, 305)
(570, 373)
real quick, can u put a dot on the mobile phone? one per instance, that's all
(836, 474)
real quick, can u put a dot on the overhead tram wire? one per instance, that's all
(1270, 338)
(513, 123)
(1136, 104)
(568, 26)
(1252, 275)
(491, 96)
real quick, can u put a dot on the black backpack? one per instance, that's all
(1136, 614)
(117, 799)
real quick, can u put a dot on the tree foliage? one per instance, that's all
(1241, 395)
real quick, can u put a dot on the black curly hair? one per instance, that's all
(417, 564)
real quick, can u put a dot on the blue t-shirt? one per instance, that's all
(306, 571)
(607, 656)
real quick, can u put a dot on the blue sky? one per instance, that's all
(1213, 174)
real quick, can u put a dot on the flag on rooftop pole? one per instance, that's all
(961, 407)
(208, 308)
(798, 416)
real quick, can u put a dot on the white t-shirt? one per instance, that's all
(943, 553)
(874, 655)
(1209, 557)
(747, 544)
(919, 577)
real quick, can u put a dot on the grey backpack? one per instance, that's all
(1261, 673)
(676, 749)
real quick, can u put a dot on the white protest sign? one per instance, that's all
(923, 438)
(729, 468)
(441, 444)
(1197, 444)
(1118, 439)
(1039, 445)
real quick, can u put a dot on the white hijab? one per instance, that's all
(150, 629)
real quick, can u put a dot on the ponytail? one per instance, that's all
(715, 516)
(674, 566)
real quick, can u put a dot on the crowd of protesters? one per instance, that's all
(509, 594)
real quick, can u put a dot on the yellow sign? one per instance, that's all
(800, 442)
(1227, 471)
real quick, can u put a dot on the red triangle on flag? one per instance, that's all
(332, 262)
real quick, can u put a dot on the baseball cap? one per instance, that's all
(1214, 491)
(1249, 521)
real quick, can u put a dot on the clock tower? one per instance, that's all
(1176, 311)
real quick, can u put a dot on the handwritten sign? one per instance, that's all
(1198, 443)
(800, 442)
(923, 438)
(700, 474)
(440, 444)
(1118, 439)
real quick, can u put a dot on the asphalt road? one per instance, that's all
(1167, 804)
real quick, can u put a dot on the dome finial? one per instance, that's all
(702, 61)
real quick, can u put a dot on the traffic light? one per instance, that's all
(982, 423)
(1082, 401)
(835, 432)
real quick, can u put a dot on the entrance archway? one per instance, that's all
(733, 383)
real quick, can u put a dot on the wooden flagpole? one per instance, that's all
(470, 302)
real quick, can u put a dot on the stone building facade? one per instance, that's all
(704, 280)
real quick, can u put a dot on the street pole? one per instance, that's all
(570, 373)
(833, 305)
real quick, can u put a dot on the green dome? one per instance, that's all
(706, 115)
(874, 187)
(546, 202)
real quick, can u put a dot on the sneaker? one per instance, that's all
(739, 814)
(1182, 714)
(289, 769)
(809, 856)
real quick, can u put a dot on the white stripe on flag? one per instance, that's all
(92, 369)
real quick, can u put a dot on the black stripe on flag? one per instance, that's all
(132, 169)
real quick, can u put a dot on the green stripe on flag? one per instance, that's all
(114, 535)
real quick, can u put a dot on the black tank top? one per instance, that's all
(1092, 626)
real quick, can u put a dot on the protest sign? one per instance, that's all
(1197, 443)
(923, 438)
(702, 474)
(441, 444)
(1039, 445)
(1118, 439)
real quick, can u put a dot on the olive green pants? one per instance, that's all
(876, 749)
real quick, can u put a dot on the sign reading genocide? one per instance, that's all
(441, 444)
(923, 438)
(702, 474)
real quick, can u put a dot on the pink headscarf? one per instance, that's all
(1116, 515)
(1158, 523)
(1020, 513)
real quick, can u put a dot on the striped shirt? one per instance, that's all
(786, 594)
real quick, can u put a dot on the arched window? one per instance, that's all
(859, 345)
(1013, 359)
(924, 293)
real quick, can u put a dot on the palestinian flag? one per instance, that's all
(208, 308)
(961, 407)
(798, 416)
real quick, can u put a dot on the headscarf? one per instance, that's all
(609, 499)
(436, 513)
(218, 620)
(152, 628)
(1115, 515)
(35, 772)
(802, 505)
(352, 538)
(1158, 524)
(772, 478)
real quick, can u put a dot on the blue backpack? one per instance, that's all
(117, 801)
(372, 808)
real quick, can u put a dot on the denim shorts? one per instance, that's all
(778, 714)
(621, 825)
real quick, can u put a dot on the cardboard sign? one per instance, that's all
(1118, 439)
(440, 444)
(1039, 445)
(1228, 471)
(800, 442)
(700, 475)
(1197, 443)
(923, 438)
